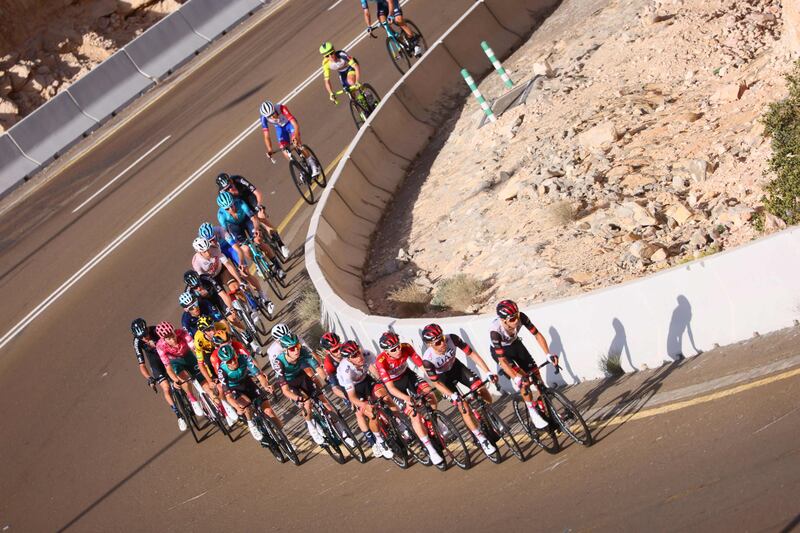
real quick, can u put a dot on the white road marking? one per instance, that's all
(104, 187)
(776, 420)
(193, 498)
(56, 294)
(335, 4)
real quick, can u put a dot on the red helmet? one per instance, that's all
(165, 329)
(431, 332)
(507, 308)
(329, 340)
(350, 348)
(389, 340)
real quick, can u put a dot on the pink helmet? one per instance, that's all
(165, 329)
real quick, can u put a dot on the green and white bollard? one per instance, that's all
(497, 66)
(478, 96)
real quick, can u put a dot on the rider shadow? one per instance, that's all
(680, 323)
(557, 347)
(618, 346)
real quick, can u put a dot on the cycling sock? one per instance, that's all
(311, 426)
(370, 437)
(175, 410)
(192, 398)
(479, 435)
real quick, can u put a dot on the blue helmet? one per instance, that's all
(206, 231)
(224, 200)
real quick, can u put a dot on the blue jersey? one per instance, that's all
(189, 322)
(234, 377)
(287, 371)
(236, 226)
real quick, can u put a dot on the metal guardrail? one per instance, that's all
(59, 123)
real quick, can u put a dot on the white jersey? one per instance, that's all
(275, 349)
(350, 375)
(441, 362)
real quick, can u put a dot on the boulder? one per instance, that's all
(7, 107)
(643, 250)
(602, 134)
(773, 223)
(511, 189)
(630, 215)
(729, 92)
(19, 75)
(679, 213)
(697, 169)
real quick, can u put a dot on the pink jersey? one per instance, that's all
(166, 352)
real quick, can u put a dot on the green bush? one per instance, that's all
(458, 293)
(782, 124)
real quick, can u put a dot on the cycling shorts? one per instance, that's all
(343, 77)
(188, 363)
(156, 367)
(366, 388)
(239, 232)
(246, 388)
(383, 9)
(284, 135)
(459, 373)
(517, 354)
(409, 381)
(305, 384)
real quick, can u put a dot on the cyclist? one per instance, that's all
(355, 374)
(508, 351)
(275, 349)
(393, 369)
(236, 376)
(287, 130)
(175, 351)
(216, 235)
(193, 309)
(204, 348)
(144, 344)
(206, 288)
(346, 65)
(241, 188)
(210, 260)
(294, 364)
(445, 371)
(238, 221)
(386, 7)
(331, 348)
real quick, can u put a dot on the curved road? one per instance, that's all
(86, 446)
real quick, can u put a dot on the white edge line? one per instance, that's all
(335, 4)
(104, 187)
(56, 294)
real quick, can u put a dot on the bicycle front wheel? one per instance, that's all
(398, 55)
(302, 180)
(452, 444)
(358, 114)
(371, 98)
(346, 436)
(411, 440)
(267, 439)
(569, 419)
(185, 410)
(286, 446)
(504, 432)
(544, 438)
(320, 179)
(421, 42)
(332, 443)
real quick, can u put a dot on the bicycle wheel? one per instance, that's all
(271, 279)
(411, 440)
(320, 179)
(453, 446)
(345, 434)
(246, 318)
(287, 448)
(213, 413)
(267, 440)
(421, 42)
(184, 410)
(499, 427)
(544, 438)
(302, 181)
(332, 442)
(392, 438)
(257, 328)
(371, 97)
(359, 117)
(398, 55)
(567, 416)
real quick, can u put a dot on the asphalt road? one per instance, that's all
(87, 446)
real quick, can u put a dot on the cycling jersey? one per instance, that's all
(436, 363)
(349, 375)
(233, 377)
(238, 347)
(391, 369)
(146, 351)
(383, 7)
(500, 337)
(275, 349)
(286, 371)
(203, 346)
(236, 226)
(168, 352)
(209, 265)
(341, 61)
(189, 321)
(211, 288)
(284, 117)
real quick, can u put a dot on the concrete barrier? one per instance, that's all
(14, 164)
(210, 18)
(109, 86)
(679, 312)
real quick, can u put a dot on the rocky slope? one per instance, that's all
(638, 149)
(45, 45)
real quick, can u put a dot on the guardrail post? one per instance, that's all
(478, 96)
(496, 64)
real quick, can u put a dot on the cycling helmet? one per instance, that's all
(350, 348)
(200, 244)
(289, 340)
(507, 308)
(165, 329)
(267, 108)
(139, 327)
(206, 231)
(279, 330)
(224, 200)
(326, 48)
(186, 299)
(389, 340)
(220, 336)
(226, 352)
(329, 340)
(223, 180)
(431, 332)
(191, 278)
(205, 322)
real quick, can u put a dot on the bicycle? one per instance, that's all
(363, 101)
(397, 43)
(398, 435)
(336, 432)
(491, 424)
(300, 169)
(185, 411)
(274, 439)
(265, 270)
(556, 409)
(214, 415)
(246, 304)
(444, 434)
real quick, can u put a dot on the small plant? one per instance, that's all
(562, 212)
(458, 293)
(782, 124)
(308, 305)
(412, 300)
(611, 366)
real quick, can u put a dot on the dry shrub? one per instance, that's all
(411, 300)
(459, 293)
(308, 305)
(562, 212)
(611, 366)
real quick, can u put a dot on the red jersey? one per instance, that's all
(240, 350)
(330, 365)
(390, 369)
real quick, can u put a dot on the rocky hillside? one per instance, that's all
(639, 148)
(45, 45)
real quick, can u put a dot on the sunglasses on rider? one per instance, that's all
(294, 348)
(438, 341)
(393, 349)
(512, 318)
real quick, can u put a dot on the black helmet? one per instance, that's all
(223, 180)
(139, 327)
(191, 278)
(389, 340)
(431, 332)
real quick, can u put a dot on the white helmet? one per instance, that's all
(200, 244)
(280, 330)
(267, 108)
(186, 299)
